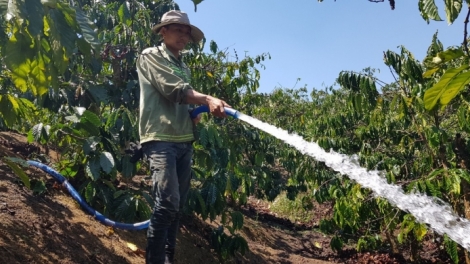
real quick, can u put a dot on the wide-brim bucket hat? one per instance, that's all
(179, 17)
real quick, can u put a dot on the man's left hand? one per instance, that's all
(197, 119)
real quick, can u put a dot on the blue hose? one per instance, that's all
(101, 218)
(204, 108)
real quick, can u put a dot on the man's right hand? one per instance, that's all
(217, 107)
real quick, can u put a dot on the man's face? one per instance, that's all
(176, 36)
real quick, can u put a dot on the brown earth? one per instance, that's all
(52, 228)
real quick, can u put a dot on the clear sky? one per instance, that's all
(315, 41)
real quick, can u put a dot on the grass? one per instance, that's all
(298, 210)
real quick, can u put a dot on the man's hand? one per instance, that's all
(197, 119)
(216, 107)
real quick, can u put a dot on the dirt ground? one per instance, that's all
(52, 228)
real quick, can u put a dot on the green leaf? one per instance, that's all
(420, 231)
(99, 93)
(89, 127)
(92, 117)
(85, 48)
(70, 171)
(453, 8)
(429, 73)
(18, 57)
(19, 172)
(455, 183)
(35, 14)
(88, 30)
(428, 10)
(69, 15)
(124, 14)
(90, 191)
(336, 243)
(105, 193)
(464, 175)
(211, 193)
(237, 220)
(454, 87)
(9, 116)
(128, 169)
(148, 199)
(89, 145)
(204, 136)
(242, 244)
(259, 158)
(452, 82)
(3, 7)
(435, 47)
(63, 38)
(451, 54)
(38, 79)
(119, 193)
(92, 168)
(400, 238)
(213, 47)
(443, 57)
(107, 162)
(40, 133)
(38, 186)
(201, 203)
(212, 133)
(126, 208)
(143, 209)
(451, 248)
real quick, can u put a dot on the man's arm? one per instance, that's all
(216, 106)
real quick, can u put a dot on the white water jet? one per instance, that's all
(441, 218)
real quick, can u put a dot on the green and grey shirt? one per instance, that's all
(164, 83)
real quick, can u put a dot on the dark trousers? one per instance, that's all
(170, 167)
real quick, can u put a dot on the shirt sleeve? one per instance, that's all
(156, 70)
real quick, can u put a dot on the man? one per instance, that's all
(166, 129)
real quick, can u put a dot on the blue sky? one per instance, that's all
(315, 41)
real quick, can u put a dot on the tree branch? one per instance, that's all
(465, 44)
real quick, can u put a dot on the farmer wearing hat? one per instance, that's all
(166, 129)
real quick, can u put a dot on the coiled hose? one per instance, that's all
(98, 216)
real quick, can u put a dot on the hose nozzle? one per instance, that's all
(204, 108)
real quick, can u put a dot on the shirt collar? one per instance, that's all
(169, 54)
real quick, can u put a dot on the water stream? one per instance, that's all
(425, 209)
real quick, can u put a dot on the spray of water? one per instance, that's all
(425, 209)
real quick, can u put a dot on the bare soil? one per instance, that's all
(52, 228)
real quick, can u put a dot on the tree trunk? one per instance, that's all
(392, 240)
